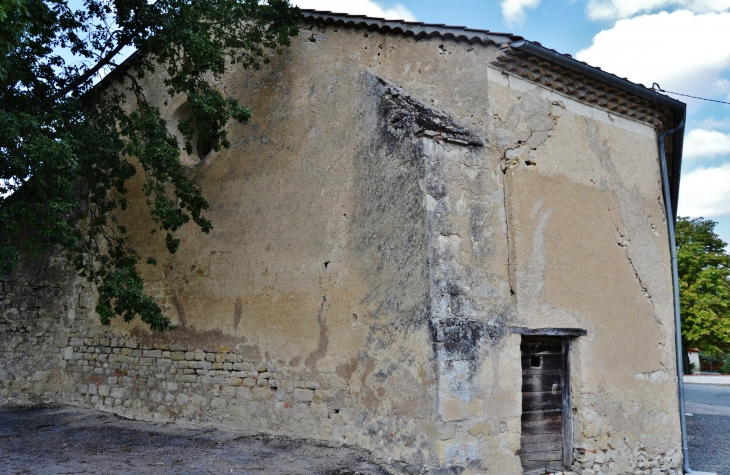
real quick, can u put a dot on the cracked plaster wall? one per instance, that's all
(588, 249)
(392, 208)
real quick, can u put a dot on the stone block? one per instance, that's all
(92, 389)
(248, 382)
(104, 390)
(177, 356)
(480, 428)
(218, 403)
(319, 411)
(451, 451)
(228, 392)
(68, 353)
(182, 399)
(299, 409)
(303, 395)
(337, 383)
(261, 394)
(119, 393)
(321, 395)
(454, 409)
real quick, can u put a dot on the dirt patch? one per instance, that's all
(65, 440)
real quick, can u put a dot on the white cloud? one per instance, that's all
(513, 11)
(712, 123)
(705, 192)
(706, 143)
(682, 51)
(617, 9)
(359, 7)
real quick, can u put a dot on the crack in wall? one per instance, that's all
(624, 243)
(510, 272)
(526, 128)
(602, 151)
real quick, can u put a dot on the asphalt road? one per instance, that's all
(707, 394)
(708, 428)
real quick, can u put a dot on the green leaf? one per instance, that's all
(68, 150)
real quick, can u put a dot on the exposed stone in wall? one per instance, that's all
(35, 310)
(174, 382)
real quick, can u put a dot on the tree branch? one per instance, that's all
(124, 41)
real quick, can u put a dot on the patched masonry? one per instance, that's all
(429, 244)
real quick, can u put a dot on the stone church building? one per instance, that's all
(445, 246)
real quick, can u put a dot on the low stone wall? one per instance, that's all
(170, 382)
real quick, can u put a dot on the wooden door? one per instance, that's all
(546, 441)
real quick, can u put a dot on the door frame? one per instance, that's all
(565, 335)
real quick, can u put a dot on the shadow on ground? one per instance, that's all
(64, 440)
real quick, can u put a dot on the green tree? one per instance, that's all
(65, 144)
(704, 285)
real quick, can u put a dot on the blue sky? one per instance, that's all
(684, 45)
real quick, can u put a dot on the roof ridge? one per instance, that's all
(406, 26)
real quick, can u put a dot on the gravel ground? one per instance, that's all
(64, 440)
(709, 443)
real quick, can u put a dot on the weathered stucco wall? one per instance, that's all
(393, 207)
(588, 249)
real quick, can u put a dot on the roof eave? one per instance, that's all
(679, 108)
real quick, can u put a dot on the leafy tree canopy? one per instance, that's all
(65, 145)
(704, 285)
